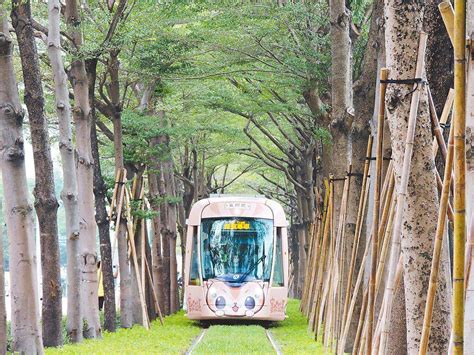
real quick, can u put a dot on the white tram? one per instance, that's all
(236, 264)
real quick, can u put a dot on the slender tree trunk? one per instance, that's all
(3, 310)
(147, 106)
(46, 204)
(156, 250)
(404, 22)
(166, 239)
(26, 328)
(69, 192)
(341, 96)
(126, 309)
(101, 215)
(135, 301)
(87, 225)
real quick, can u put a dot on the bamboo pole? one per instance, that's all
(321, 307)
(444, 116)
(312, 274)
(402, 191)
(145, 320)
(360, 323)
(317, 269)
(385, 191)
(324, 252)
(440, 229)
(314, 261)
(339, 270)
(155, 296)
(358, 230)
(378, 181)
(436, 128)
(459, 122)
(304, 306)
(447, 14)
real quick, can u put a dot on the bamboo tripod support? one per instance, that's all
(121, 210)
(402, 191)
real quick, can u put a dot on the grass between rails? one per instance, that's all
(292, 334)
(178, 333)
(175, 337)
(234, 339)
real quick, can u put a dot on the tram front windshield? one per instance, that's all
(236, 249)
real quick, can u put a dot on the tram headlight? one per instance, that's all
(220, 302)
(250, 302)
(258, 293)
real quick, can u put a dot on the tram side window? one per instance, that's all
(278, 270)
(194, 278)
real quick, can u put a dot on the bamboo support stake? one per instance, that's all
(358, 230)
(436, 128)
(447, 14)
(314, 263)
(324, 251)
(304, 306)
(385, 215)
(444, 116)
(145, 321)
(459, 122)
(378, 181)
(340, 258)
(360, 323)
(402, 191)
(322, 309)
(440, 229)
(155, 296)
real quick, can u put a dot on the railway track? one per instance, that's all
(242, 337)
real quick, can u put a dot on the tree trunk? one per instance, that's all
(341, 97)
(126, 309)
(165, 240)
(3, 310)
(156, 250)
(404, 22)
(46, 204)
(154, 168)
(397, 341)
(136, 305)
(25, 323)
(101, 215)
(87, 225)
(69, 192)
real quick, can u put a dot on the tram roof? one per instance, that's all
(222, 205)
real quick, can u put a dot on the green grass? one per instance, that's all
(292, 334)
(175, 337)
(235, 339)
(178, 333)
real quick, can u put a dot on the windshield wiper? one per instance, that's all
(245, 274)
